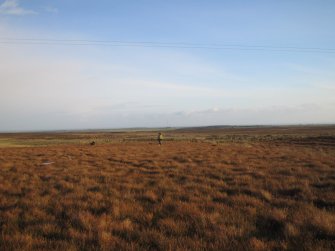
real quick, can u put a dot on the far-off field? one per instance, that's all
(248, 188)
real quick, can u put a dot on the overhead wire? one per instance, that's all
(150, 44)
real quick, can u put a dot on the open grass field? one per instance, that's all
(267, 188)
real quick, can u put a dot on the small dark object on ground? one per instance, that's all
(92, 143)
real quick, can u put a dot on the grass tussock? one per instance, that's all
(184, 195)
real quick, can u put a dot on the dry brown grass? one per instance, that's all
(184, 195)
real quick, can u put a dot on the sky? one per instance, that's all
(69, 64)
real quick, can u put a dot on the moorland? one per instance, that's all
(212, 188)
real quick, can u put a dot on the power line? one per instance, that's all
(181, 45)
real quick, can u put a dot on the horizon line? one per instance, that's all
(143, 128)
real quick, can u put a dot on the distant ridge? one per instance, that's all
(177, 128)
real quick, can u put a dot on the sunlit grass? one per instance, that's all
(183, 195)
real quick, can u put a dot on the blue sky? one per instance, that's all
(80, 85)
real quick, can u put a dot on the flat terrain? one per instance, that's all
(266, 188)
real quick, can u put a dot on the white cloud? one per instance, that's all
(299, 114)
(12, 7)
(51, 9)
(62, 87)
(40, 90)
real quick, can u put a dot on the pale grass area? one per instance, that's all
(179, 196)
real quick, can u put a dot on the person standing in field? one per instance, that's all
(160, 138)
